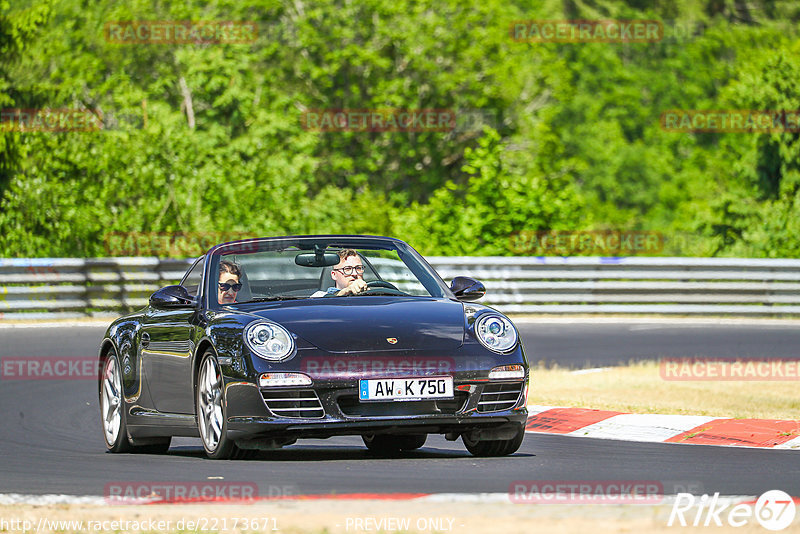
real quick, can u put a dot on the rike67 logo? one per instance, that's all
(774, 510)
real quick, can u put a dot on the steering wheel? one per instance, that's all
(381, 287)
(373, 284)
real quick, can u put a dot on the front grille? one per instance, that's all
(302, 403)
(353, 407)
(498, 397)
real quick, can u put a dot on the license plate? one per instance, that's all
(436, 387)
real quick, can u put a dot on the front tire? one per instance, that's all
(211, 420)
(495, 447)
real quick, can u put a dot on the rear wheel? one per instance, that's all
(390, 443)
(112, 413)
(495, 447)
(211, 420)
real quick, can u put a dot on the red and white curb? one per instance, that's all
(691, 429)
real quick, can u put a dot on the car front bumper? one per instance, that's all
(333, 409)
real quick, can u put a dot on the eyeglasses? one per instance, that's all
(226, 287)
(347, 271)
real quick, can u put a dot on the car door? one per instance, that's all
(167, 341)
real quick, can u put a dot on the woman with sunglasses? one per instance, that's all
(229, 282)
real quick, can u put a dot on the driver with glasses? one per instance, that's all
(348, 275)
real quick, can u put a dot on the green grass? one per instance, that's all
(639, 388)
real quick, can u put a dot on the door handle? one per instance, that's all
(145, 339)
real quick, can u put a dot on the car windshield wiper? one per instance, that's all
(268, 299)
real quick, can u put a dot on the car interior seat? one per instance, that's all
(325, 280)
(245, 293)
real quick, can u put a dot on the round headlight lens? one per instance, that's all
(262, 334)
(494, 326)
(269, 341)
(496, 333)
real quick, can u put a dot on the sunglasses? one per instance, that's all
(226, 287)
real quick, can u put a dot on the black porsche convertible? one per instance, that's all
(271, 340)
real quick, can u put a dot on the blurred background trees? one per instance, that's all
(210, 137)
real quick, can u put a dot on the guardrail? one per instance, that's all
(686, 286)
(50, 287)
(45, 288)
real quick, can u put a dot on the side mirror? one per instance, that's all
(466, 288)
(172, 297)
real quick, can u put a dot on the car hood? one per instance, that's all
(357, 324)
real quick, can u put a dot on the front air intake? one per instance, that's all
(300, 404)
(499, 397)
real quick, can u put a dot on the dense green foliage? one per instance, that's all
(209, 138)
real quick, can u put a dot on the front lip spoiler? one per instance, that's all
(254, 427)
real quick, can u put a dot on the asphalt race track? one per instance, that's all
(51, 442)
(598, 344)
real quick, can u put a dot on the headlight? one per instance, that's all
(269, 341)
(496, 333)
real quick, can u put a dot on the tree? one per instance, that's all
(17, 32)
(483, 216)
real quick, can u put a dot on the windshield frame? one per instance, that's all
(413, 260)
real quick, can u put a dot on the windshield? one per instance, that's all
(269, 271)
